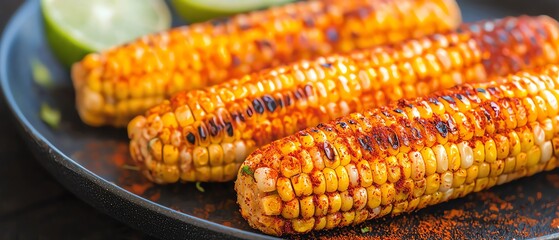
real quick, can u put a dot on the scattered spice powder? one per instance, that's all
(555, 223)
(139, 188)
(553, 179)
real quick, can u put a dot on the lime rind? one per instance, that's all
(75, 28)
(203, 10)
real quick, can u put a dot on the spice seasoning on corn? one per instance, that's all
(115, 85)
(204, 135)
(514, 121)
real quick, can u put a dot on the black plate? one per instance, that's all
(91, 163)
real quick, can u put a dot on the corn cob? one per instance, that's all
(404, 156)
(205, 135)
(120, 83)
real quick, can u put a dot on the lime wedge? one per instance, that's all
(75, 28)
(202, 10)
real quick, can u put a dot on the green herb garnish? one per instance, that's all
(246, 170)
(41, 74)
(130, 167)
(365, 229)
(199, 187)
(49, 115)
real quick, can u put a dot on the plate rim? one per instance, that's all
(12, 28)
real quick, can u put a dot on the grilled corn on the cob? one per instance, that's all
(115, 85)
(404, 156)
(205, 135)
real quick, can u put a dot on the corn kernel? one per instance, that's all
(320, 223)
(170, 154)
(405, 165)
(453, 156)
(285, 189)
(319, 182)
(333, 220)
(479, 152)
(290, 209)
(373, 197)
(472, 174)
(266, 179)
(430, 161)
(404, 190)
(361, 216)
(331, 179)
(502, 145)
(533, 156)
(496, 168)
(359, 198)
(290, 166)
(393, 169)
(302, 225)
(466, 155)
(307, 207)
(424, 201)
(419, 187)
(379, 172)
(417, 166)
(433, 184)
(521, 161)
(481, 184)
(347, 201)
(446, 181)
(365, 173)
(321, 205)
(335, 201)
(271, 205)
(302, 184)
(412, 205)
(459, 177)
(436, 198)
(388, 193)
(201, 157)
(515, 144)
(547, 151)
(442, 158)
(490, 151)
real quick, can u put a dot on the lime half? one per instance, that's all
(202, 10)
(75, 28)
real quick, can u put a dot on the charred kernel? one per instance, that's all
(249, 112)
(271, 104)
(442, 128)
(397, 110)
(449, 99)
(288, 100)
(393, 140)
(191, 138)
(229, 129)
(416, 133)
(202, 132)
(213, 128)
(329, 151)
(326, 65)
(257, 105)
(332, 35)
(365, 144)
(342, 124)
(299, 94)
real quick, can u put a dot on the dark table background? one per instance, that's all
(34, 206)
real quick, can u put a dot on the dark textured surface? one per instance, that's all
(34, 205)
